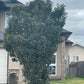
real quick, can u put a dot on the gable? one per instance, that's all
(76, 50)
(78, 46)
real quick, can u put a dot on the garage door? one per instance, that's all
(3, 66)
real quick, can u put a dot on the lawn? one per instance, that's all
(69, 81)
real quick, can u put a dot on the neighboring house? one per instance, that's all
(76, 53)
(7, 67)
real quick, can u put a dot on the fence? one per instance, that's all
(76, 69)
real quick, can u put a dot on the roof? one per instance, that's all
(68, 41)
(11, 3)
(78, 45)
(66, 32)
(2, 6)
(1, 36)
(7, 5)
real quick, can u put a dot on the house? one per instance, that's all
(3, 62)
(61, 57)
(76, 53)
(7, 67)
(76, 61)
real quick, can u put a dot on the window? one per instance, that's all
(7, 16)
(75, 58)
(52, 67)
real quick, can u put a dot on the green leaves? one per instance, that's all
(33, 36)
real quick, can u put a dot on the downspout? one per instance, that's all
(7, 65)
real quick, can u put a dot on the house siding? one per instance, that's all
(2, 20)
(76, 50)
(63, 58)
(15, 67)
(1, 45)
(60, 62)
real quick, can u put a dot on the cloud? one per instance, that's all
(75, 23)
(25, 1)
(77, 40)
(70, 4)
(75, 18)
(76, 13)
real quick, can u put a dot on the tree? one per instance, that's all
(33, 36)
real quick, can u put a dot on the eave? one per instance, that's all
(68, 41)
(8, 5)
(66, 33)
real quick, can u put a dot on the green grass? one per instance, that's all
(69, 81)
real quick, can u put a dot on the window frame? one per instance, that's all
(54, 64)
(75, 58)
(7, 18)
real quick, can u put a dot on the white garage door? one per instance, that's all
(3, 66)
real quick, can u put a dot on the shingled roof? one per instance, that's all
(8, 4)
(2, 6)
(66, 32)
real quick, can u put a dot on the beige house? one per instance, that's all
(76, 53)
(61, 57)
(7, 67)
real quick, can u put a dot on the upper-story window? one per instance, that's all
(7, 17)
(75, 58)
(52, 67)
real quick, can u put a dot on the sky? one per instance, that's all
(74, 20)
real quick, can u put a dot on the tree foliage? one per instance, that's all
(32, 37)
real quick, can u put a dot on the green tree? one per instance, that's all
(32, 37)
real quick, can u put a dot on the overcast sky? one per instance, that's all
(75, 18)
